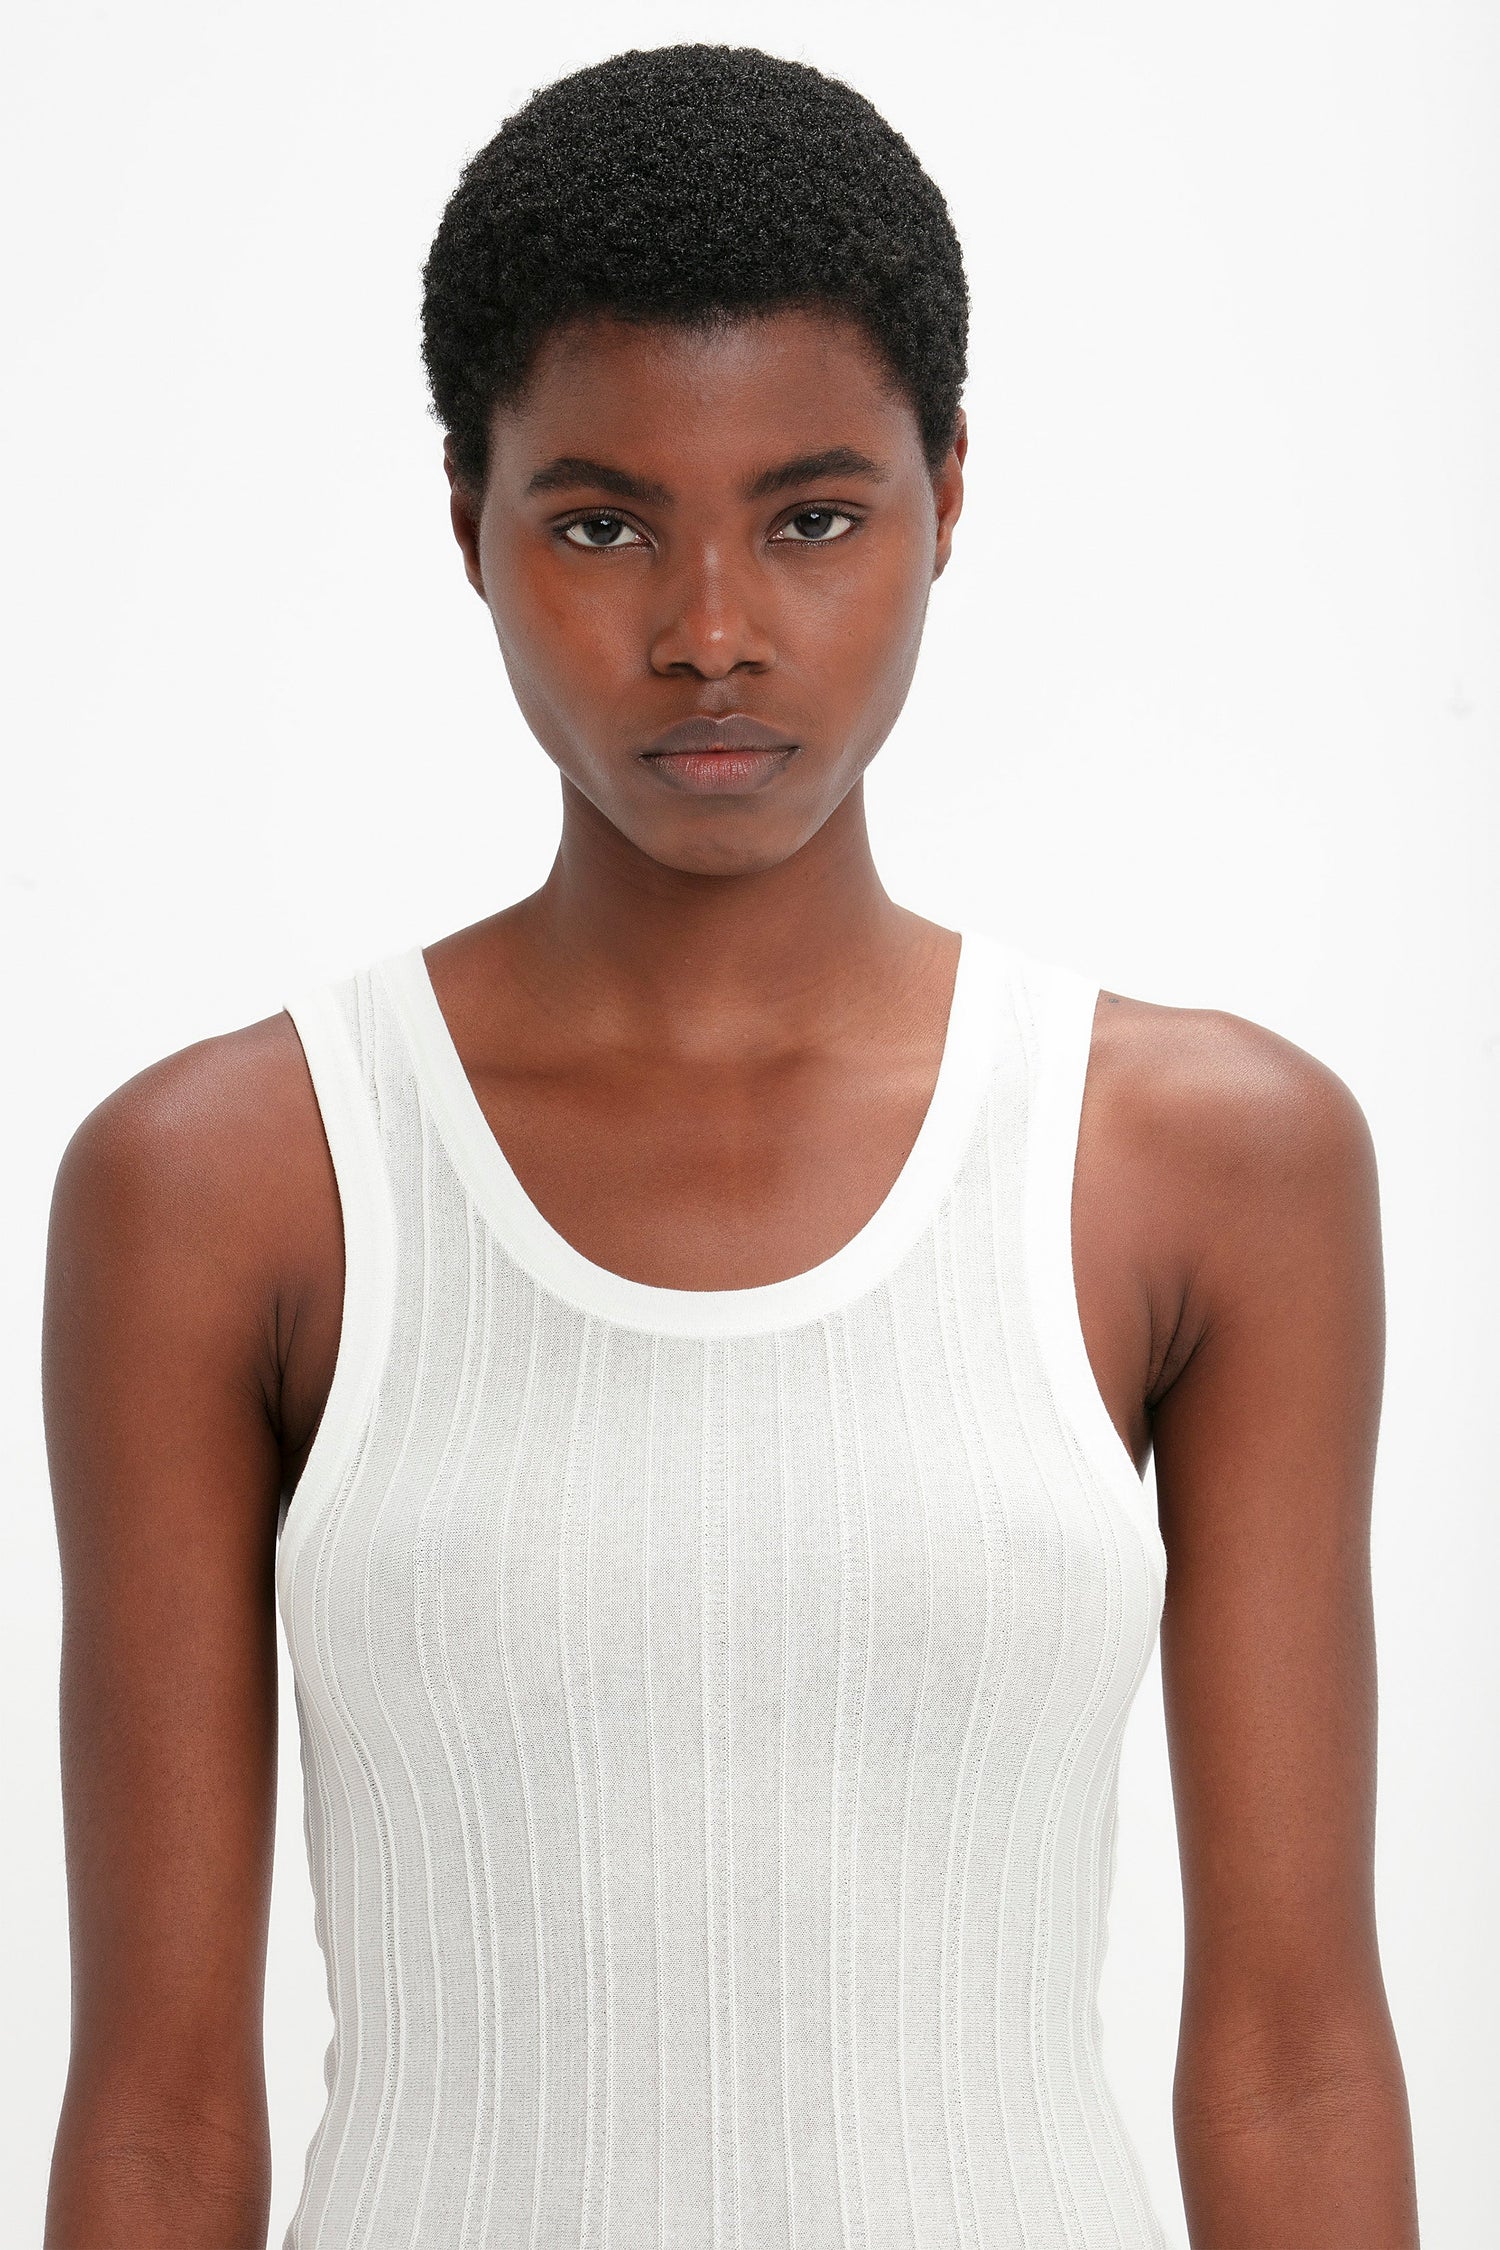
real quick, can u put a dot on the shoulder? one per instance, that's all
(1244, 1157)
(206, 1171)
(201, 1125)
(1232, 1096)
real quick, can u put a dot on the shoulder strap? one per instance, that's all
(328, 1019)
(1056, 1004)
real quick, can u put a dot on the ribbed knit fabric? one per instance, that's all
(711, 1701)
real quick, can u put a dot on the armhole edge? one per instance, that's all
(1061, 1004)
(367, 1221)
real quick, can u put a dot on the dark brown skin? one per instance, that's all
(689, 969)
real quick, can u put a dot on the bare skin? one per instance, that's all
(706, 1044)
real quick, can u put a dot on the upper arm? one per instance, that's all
(157, 1346)
(1265, 1451)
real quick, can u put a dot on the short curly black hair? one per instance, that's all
(683, 184)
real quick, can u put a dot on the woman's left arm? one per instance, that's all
(1289, 2100)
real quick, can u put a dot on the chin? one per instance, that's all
(724, 854)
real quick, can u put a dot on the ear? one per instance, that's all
(948, 493)
(463, 514)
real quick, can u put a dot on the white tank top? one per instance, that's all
(711, 1701)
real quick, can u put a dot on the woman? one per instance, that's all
(681, 1355)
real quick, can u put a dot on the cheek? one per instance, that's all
(861, 621)
(564, 638)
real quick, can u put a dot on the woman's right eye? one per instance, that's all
(600, 530)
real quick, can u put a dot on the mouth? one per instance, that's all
(728, 756)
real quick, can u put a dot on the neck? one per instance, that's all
(760, 954)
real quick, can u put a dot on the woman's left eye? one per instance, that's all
(816, 526)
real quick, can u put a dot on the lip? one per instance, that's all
(736, 730)
(729, 756)
(719, 773)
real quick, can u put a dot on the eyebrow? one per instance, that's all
(569, 470)
(811, 468)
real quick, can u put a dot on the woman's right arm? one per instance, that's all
(160, 1383)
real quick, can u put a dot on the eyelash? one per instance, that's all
(613, 515)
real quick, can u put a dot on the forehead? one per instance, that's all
(729, 394)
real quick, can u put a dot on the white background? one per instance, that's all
(1210, 707)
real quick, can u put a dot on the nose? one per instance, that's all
(712, 619)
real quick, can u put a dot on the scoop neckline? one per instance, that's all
(969, 1046)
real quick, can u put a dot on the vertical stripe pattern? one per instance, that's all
(711, 1703)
